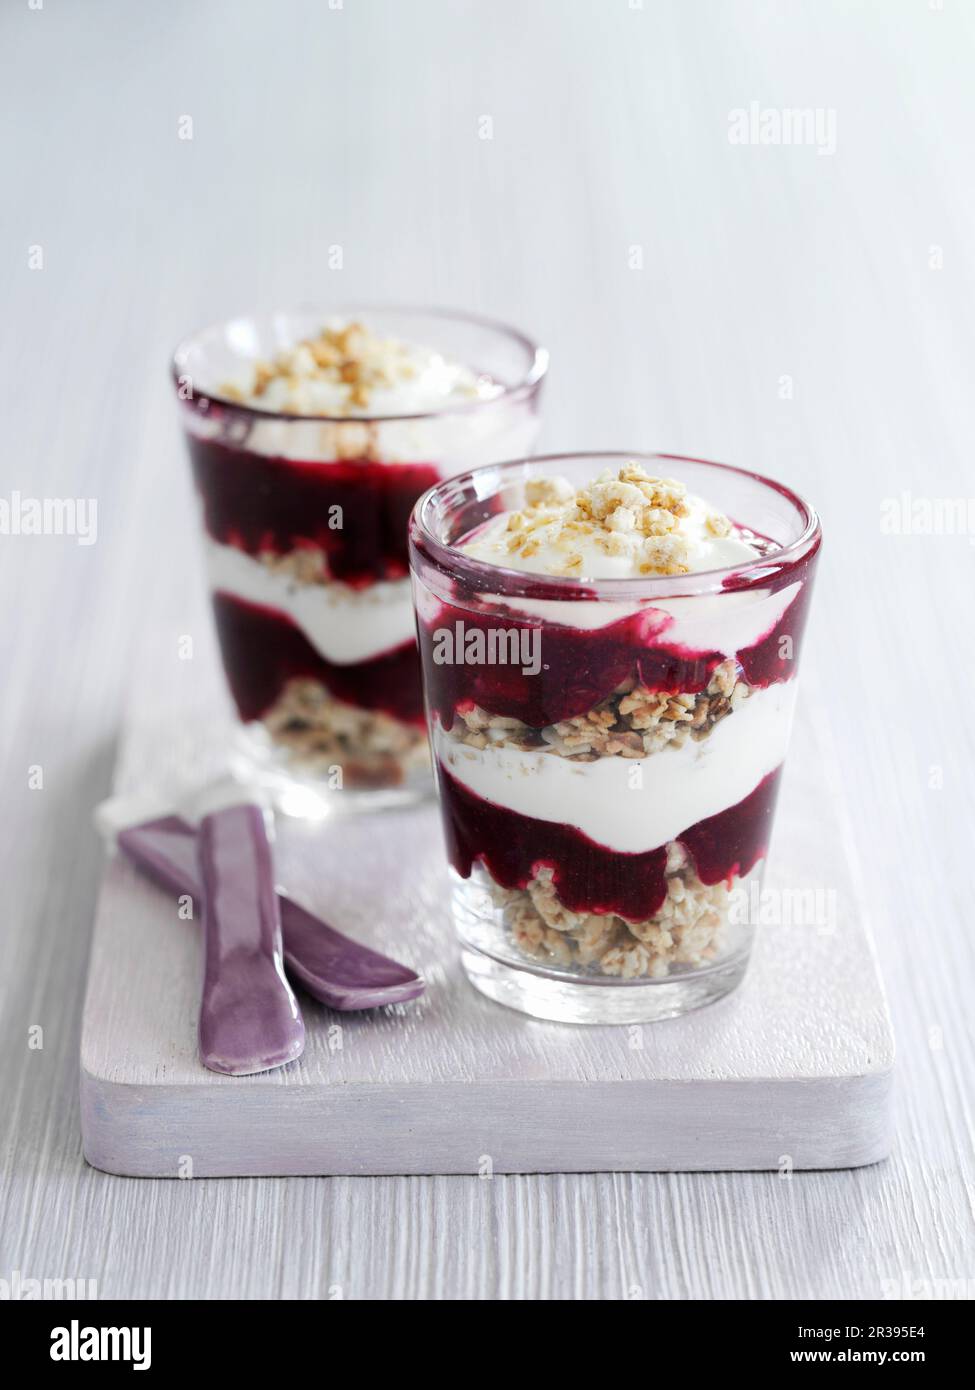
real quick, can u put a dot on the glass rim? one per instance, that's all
(529, 382)
(488, 577)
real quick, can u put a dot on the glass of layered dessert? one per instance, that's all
(610, 647)
(311, 436)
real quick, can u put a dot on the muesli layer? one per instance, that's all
(688, 930)
(632, 723)
(320, 733)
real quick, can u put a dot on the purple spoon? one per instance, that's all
(333, 968)
(249, 1018)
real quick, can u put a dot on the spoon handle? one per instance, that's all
(249, 1018)
(331, 966)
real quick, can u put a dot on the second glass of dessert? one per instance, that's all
(609, 646)
(311, 436)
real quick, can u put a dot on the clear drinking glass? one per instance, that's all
(608, 752)
(305, 520)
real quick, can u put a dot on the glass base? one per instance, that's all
(567, 991)
(256, 761)
(546, 994)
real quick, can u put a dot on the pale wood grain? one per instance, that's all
(358, 127)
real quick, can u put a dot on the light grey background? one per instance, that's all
(850, 273)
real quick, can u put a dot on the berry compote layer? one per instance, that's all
(307, 467)
(608, 767)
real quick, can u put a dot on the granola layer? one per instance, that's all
(688, 930)
(320, 733)
(631, 723)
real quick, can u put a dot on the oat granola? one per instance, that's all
(687, 930)
(304, 565)
(320, 732)
(628, 513)
(632, 723)
(350, 357)
(349, 360)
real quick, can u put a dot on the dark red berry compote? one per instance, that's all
(609, 664)
(311, 436)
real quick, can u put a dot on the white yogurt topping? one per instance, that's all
(678, 787)
(626, 525)
(343, 624)
(350, 371)
(631, 526)
(705, 550)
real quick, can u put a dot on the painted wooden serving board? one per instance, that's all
(794, 1069)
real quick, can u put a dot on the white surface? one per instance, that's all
(794, 1068)
(851, 275)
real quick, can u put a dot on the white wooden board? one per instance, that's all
(793, 1069)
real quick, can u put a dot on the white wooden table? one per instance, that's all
(809, 314)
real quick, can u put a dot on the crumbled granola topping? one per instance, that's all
(349, 363)
(350, 357)
(687, 931)
(628, 514)
(318, 732)
(632, 723)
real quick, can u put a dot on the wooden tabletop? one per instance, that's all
(714, 276)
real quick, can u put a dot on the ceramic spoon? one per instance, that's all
(249, 1018)
(331, 967)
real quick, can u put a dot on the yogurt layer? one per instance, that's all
(343, 624)
(728, 623)
(553, 548)
(634, 805)
(631, 526)
(349, 371)
(624, 526)
(389, 401)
